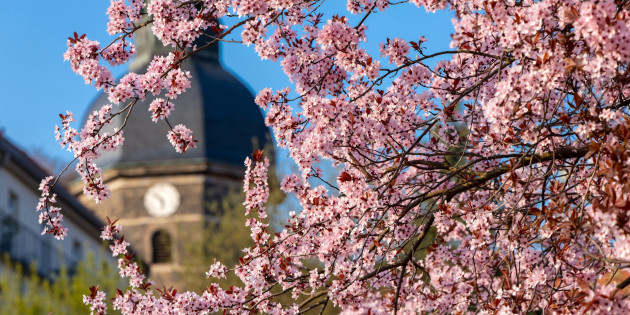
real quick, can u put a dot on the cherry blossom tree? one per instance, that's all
(497, 181)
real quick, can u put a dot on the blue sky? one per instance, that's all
(36, 84)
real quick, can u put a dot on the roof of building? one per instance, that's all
(218, 108)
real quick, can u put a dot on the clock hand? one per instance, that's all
(161, 201)
(158, 196)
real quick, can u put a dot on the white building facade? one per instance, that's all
(20, 233)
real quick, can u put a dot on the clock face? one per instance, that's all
(161, 200)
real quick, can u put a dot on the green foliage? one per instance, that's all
(24, 292)
(222, 240)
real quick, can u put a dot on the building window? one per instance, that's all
(9, 225)
(77, 255)
(77, 250)
(13, 205)
(161, 243)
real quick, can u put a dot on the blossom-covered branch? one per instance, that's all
(492, 182)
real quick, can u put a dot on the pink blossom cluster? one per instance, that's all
(160, 109)
(119, 247)
(65, 138)
(487, 178)
(83, 55)
(123, 16)
(119, 53)
(395, 50)
(252, 32)
(217, 270)
(110, 230)
(96, 301)
(130, 86)
(255, 185)
(176, 82)
(181, 138)
(92, 140)
(179, 25)
(86, 146)
(92, 175)
(50, 215)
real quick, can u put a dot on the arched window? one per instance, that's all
(161, 242)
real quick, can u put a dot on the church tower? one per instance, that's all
(161, 196)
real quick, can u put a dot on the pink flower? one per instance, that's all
(181, 138)
(217, 270)
(160, 109)
(395, 50)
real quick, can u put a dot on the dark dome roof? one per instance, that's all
(218, 108)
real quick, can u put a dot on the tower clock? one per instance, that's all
(161, 200)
